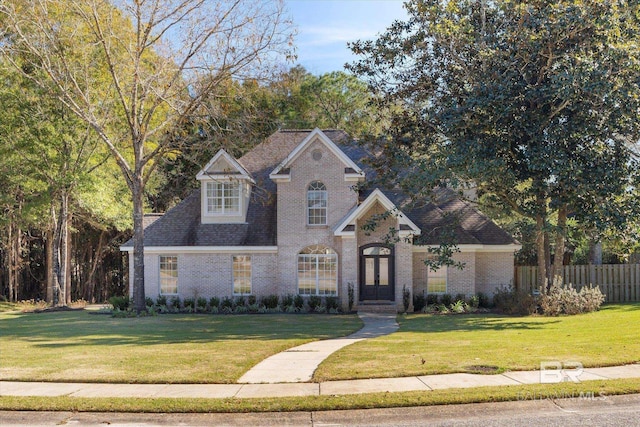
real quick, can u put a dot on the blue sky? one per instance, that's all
(325, 27)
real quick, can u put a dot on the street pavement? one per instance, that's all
(577, 411)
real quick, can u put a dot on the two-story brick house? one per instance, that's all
(286, 219)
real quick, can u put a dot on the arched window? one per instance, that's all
(316, 204)
(317, 271)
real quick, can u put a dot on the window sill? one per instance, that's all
(319, 226)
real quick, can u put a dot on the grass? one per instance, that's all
(432, 344)
(587, 390)
(81, 347)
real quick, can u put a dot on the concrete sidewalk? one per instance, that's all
(298, 364)
(419, 383)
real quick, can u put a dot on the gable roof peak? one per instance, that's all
(222, 155)
(323, 138)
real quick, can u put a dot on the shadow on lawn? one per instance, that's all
(64, 329)
(476, 322)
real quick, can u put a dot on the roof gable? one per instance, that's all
(347, 226)
(223, 165)
(352, 171)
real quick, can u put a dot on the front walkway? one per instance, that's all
(420, 383)
(298, 364)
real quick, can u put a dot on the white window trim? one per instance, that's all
(160, 274)
(233, 276)
(326, 208)
(224, 212)
(317, 291)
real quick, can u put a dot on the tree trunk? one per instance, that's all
(595, 252)
(67, 280)
(541, 242)
(60, 250)
(11, 256)
(561, 234)
(138, 245)
(89, 284)
(49, 265)
(540, 245)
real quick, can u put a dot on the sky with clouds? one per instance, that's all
(325, 27)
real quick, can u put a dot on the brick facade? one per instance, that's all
(493, 269)
(208, 272)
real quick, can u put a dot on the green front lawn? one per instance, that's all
(432, 344)
(78, 346)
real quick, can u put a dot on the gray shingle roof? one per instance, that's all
(181, 225)
(446, 213)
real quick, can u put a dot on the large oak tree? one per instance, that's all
(533, 101)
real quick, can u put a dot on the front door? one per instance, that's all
(376, 272)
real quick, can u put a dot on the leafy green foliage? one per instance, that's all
(535, 103)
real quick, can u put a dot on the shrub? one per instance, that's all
(458, 307)
(592, 297)
(175, 302)
(189, 304)
(240, 301)
(432, 299)
(483, 300)
(287, 301)
(270, 301)
(419, 302)
(120, 303)
(252, 300)
(331, 303)
(351, 292)
(460, 297)
(214, 302)
(446, 300)
(148, 302)
(474, 301)
(441, 308)
(298, 301)
(162, 300)
(559, 299)
(226, 305)
(512, 301)
(314, 302)
(201, 303)
(406, 298)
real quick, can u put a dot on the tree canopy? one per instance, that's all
(533, 102)
(136, 70)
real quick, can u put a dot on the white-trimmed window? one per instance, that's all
(316, 204)
(168, 274)
(317, 271)
(241, 274)
(437, 280)
(223, 198)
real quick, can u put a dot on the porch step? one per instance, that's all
(377, 307)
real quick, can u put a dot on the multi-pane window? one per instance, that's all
(223, 198)
(317, 271)
(437, 280)
(317, 204)
(168, 275)
(241, 274)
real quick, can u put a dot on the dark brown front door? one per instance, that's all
(376, 272)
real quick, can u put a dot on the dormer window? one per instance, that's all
(316, 204)
(225, 190)
(223, 198)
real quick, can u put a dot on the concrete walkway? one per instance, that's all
(298, 364)
(420, 383)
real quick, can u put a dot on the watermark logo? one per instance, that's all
(556, 372)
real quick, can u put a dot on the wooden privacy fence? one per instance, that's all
(619, 282)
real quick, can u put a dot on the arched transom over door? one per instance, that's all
(377, 272)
